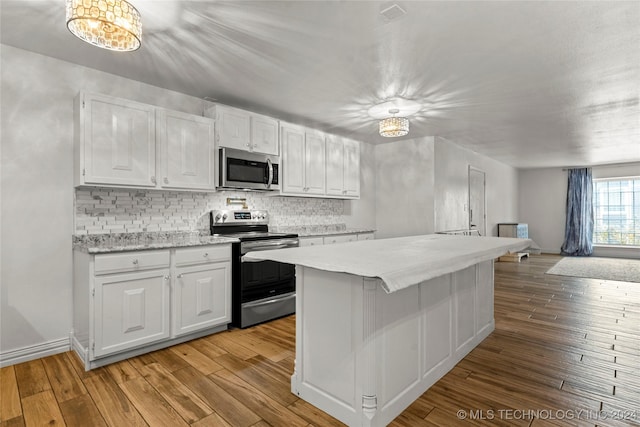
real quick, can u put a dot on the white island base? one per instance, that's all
(364, 355)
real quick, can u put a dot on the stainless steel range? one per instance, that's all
(261, 290)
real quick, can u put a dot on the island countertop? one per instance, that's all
(400, 262)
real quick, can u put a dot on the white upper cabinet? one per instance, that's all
(186, 150)
(303, 161)
(114, 142)
(335, 166)
(351, 168)
(244, 130)
(264, 135)
(122, 143)
(343, 167)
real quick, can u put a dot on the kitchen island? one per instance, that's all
(378, 322)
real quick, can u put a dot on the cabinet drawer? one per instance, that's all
(131, 261)
(365, 236)
(203, 254)
(340, 239)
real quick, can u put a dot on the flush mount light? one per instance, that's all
(109, 24)
(394, 126)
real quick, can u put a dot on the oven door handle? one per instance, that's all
(262, 246)
(274, 300)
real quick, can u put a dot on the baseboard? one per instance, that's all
(550, 251)
(33, 352)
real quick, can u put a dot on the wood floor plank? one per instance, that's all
(111, 402)
(122, 371)
(213, 420)
(195, 358)
(9, 395)
(279, 390)
(314, 415)
(64, 381)
(154, 409)
(32, 378)
(81, 412)
(219, 399)
(42, 409)
(227, 341)
(13, 422)
(267, 408)
(180, 397)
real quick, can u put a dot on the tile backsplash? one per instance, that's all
(107, 210)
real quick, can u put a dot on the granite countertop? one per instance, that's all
(121, 242)
(400, 262)
(320, 230)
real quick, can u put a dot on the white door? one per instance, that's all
(335, 166)
(130, 310)
(203, 297)
(351, 168)
(186, 144)
(477, 201)
(314, 162)
(292, 173)
(119, 142)
(233, 127)
(264, 135)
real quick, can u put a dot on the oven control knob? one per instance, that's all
(217, 218)
(224, 217)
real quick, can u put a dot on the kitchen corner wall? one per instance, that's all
(38, 215)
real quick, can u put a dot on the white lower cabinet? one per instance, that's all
(130, 310)
(130, 303)
(342, 238)
(310, 241)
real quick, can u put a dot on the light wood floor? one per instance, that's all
(561, 345)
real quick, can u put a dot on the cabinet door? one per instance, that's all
(335, 165)
(202, 297)
(264, 135)
(186, 144)
(293, 158)
(314, 161)
(130, 310)
(343, 238)
(233, 128)
(118, 142)
(351, 168)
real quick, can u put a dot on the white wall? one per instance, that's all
(543, 199)
(37, 211)
(542, 202)
(404, 187)
(452, 188)
(362, 213)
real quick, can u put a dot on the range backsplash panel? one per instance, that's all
(108, 210)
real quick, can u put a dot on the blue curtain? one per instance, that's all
(578, 233)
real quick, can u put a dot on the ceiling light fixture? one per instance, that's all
(109, 24)
(394, 126)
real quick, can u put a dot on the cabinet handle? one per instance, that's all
(179, 276)
(166, 180)
(135, 262)
(206, 254)
(167, 277)
(153, 179)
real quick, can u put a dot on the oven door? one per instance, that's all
(240, 169)
(267, 288)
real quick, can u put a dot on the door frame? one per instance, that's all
(484, 197)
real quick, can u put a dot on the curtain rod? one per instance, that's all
(601, 166)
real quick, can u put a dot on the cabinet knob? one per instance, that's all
(179, 276)
(166, 180)
(135, 262)
(167, 277)
(206, 254)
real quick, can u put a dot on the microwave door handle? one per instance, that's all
(270, 167)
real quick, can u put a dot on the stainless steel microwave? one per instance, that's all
(248, 171)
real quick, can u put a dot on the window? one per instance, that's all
(616, 207)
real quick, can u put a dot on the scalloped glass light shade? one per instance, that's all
(394, 126)
(109, 24)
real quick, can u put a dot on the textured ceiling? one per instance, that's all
(532, 84)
